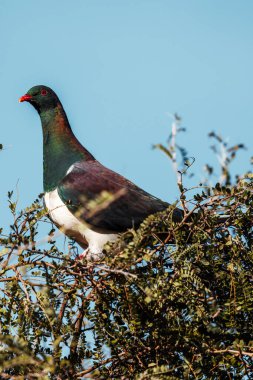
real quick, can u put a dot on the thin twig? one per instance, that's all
(118, 271)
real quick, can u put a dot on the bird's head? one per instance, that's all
(41, 97)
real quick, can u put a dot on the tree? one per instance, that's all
(168, 301)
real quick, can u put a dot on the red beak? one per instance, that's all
(25, 98)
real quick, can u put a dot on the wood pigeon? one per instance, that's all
(74, 181)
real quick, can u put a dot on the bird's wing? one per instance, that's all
(107, 200)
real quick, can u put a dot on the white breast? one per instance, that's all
(73, 227)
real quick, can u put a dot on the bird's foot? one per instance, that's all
(88, 255)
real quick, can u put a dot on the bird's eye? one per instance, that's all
(43, 92)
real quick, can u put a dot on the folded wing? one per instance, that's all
(107, 200)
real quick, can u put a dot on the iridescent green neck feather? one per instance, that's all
(61, 148)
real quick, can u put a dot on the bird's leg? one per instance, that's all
(84, 254)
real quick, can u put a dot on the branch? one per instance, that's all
(234, 352)
(91, 369)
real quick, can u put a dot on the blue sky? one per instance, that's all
(120, 67)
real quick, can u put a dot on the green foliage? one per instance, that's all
(168, 301)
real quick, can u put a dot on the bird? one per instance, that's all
(74, 181)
